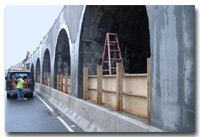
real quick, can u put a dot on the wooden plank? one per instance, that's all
(66, 83)
(109, 99)
(136, 85)
(58, 81)
(99, 84)
(109, 83)
(135, 105)
(135, 75)
(134, 94)
(45, 78)
(49, 79)
(61, 82)
(69, 85)
(119, 87)
(149, 89)
(85, 84)
(111, 91)
(38, 78)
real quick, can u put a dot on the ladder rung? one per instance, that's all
(114, 50)
(115, 59)
(111, 33)
(106, 70)
(113, 67)
(113, 42)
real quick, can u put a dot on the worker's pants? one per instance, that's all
(20, 94)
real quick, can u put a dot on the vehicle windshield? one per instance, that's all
(26, 76)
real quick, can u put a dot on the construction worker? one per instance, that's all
(19, 87)
(24, 66)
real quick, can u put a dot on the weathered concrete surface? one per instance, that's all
(172, 42)
(69, 20)
(172, 38)
(90, 117)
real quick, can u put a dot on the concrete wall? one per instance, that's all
(172, 42)
(172, 39)
(91, 117)
(71, 23)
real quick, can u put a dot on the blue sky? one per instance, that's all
(25, 27)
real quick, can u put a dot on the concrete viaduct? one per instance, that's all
(166, 34)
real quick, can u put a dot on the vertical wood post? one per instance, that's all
(38, 76)
(148, 89)
(99, 84)
(48, 79)
(119, 87)
(61, 82)
(66, 83)
(85, 83)
(45, 78)
(57, 81)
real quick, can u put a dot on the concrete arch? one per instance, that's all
(46, 65)
(62, 62)
(131, 25)
(38, 70)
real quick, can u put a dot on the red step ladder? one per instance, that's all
(114, 54)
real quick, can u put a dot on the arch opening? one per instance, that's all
(62, 63)
(46, 64)
(131, 25)
(32, 70)
(38, 71)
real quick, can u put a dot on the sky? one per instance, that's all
(25, 27)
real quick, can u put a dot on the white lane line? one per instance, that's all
(59, 118)
(65, 124)
(45, 103)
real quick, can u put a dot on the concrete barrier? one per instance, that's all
(91, 117)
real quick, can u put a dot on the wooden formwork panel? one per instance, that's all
(136, 84)
(109, 83)
(92, 88)
(69, 85)
(109, 99)
(92, 82)
(92, 94)
(135, 105)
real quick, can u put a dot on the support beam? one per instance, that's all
(148, 89)
(119, 87)
(66, 83)
(85, 84)
(58, 81)
(99, 84)
(48, 79)
(45, 78)
(61, 82)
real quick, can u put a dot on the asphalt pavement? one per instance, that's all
(35, 115)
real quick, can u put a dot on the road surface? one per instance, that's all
(35, 115)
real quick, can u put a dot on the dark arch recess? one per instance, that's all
(131, 25)
(37, 69)
(46, 64)
(62, 63)
(32, 71)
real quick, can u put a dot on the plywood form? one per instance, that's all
(69, 85)
(135, 105)
(109, 83)
(135, 84)
(109, 99)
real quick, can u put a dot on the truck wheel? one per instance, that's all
(8, 95)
